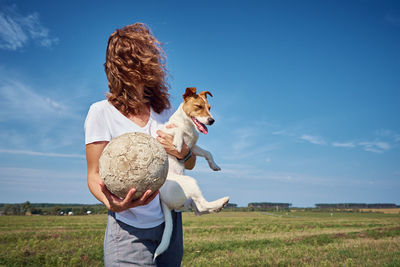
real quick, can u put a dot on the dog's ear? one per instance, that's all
(205, 93)
(190, 91)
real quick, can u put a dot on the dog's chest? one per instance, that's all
(190, 138)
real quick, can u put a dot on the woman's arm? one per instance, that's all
(100, 191)
(190, 163)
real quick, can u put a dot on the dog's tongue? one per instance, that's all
(200, 126)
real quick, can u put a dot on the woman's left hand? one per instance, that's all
(167, 141)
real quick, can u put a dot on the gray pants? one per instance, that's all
(125, 245)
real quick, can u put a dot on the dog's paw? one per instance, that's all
(223, 202)
(214, 166)
(178, 146)
(217, 168)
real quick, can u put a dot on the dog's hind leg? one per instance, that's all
(192, 191)
(205, 207)
(209, 207)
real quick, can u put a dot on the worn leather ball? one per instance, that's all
(133, 160)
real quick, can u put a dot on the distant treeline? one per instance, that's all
(277, 206)
(268, 205)
(28, 208)
(356, 206)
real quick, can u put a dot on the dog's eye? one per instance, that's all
(199, 106)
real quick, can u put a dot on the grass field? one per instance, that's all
(224, 239)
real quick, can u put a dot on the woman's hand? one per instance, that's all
(116, 204)
(167, 141)
(100, 191)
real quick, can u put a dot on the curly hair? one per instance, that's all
(135, 69)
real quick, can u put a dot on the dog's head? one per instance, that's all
(197, 108)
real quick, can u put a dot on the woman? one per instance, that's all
(137, 102)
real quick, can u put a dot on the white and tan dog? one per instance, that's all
(180, 191)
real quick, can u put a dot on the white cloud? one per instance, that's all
(244, 138)
(27, 176)
(279, 132)
(12, 36)
(17, 30)
(248, 143)
(370, 146)
(33, 120)
(347, 144)
(389, 137)
(42, 185)
(382, 145)
(43, 154)
(376, 146)
(316, 140)
(385, 140)
(388, 134)
(283, 132)
(18, 100)
(251, 173)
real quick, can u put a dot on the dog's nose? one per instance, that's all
(211, 121)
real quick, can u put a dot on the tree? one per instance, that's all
(26, 207)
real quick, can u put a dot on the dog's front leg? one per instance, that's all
(198, 151)
(178, 140)
(178, 137)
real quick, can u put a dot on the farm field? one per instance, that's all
(224, 239)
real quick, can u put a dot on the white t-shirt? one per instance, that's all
(105, 122)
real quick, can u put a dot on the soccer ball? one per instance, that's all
(133, 160)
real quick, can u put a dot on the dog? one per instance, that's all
(180, 191)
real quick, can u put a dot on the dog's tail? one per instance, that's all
(167, 231)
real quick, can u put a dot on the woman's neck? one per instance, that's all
(142, 117)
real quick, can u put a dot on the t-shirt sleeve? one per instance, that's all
(96, 128)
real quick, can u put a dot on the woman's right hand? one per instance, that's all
(116, 204)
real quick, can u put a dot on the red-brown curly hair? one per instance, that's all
(135, 69)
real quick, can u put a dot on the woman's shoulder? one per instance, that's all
(101, 107)
(102, 104)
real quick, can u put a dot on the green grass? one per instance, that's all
(224, 239)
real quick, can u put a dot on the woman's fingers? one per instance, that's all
(129, 196)
(169, 126)
(143, 198)
(166, 140)
(148, 196)
(151, 197)
(165, 136)
(117, 204)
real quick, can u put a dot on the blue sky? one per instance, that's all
(306, 94)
